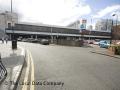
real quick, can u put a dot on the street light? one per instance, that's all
(116, 25)
(14, 41)
(111, 33)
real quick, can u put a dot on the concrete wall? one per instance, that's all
(2, 22)
(68, 42)
(5, 18)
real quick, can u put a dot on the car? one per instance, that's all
(24, 40)
(118, 43)
(96, 43)
(104, 44)
(45, 41)
(19, 39)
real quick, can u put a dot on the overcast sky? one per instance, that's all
(61, 12)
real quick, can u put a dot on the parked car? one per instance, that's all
(96, 43)
(104, 44)
(24, 40)
(19, 39)
(45, 41)
(118, 43)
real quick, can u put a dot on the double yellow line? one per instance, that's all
(30, 64)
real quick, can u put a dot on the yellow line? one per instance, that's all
(26, 73)
(32, 73)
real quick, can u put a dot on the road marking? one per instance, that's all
(26, 73)
(32, 72)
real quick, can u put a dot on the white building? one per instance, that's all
(90, 27)
(103, 25)
(79, 24)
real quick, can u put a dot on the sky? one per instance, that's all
(62, 12)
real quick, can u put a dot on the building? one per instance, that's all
(103, 25)
(116, 32)
(79, 24)
(75, 24)
(90, 27)
(7, 19)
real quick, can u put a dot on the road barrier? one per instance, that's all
(3, 71)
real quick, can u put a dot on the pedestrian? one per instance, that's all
(6, 39)
(2, 39)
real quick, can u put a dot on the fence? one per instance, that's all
(3, 71)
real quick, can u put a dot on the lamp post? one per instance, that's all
(115, 25)
(11, 20)
(111, 33)
(14, 41)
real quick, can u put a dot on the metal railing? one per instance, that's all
(3, 71)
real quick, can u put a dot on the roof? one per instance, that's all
(46, 25)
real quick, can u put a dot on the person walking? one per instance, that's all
(2, 39)
(6, 39)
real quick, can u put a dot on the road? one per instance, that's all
(71, 68)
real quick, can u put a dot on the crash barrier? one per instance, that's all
(3, 71)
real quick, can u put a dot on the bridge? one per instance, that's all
(55, 32)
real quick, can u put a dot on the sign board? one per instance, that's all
(83, 24)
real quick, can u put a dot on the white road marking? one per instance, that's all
(32, 72)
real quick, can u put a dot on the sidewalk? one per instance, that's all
(103, 51)
(13, 62)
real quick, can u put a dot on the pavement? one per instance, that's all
(13, 62)
(103, 51)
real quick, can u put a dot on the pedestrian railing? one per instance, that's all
(3, 71)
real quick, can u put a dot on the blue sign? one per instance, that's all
(83, 26)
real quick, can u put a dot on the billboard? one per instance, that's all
(83, 24)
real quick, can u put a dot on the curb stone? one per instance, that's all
(105, 54)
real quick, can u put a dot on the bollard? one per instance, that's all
(14, 44)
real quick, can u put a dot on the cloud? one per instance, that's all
(56, 12)
(106, 11)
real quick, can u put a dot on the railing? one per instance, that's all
(3, 71)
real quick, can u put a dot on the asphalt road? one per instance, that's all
(73, 68)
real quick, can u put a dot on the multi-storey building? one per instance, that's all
(79, 24)
(104, 25)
